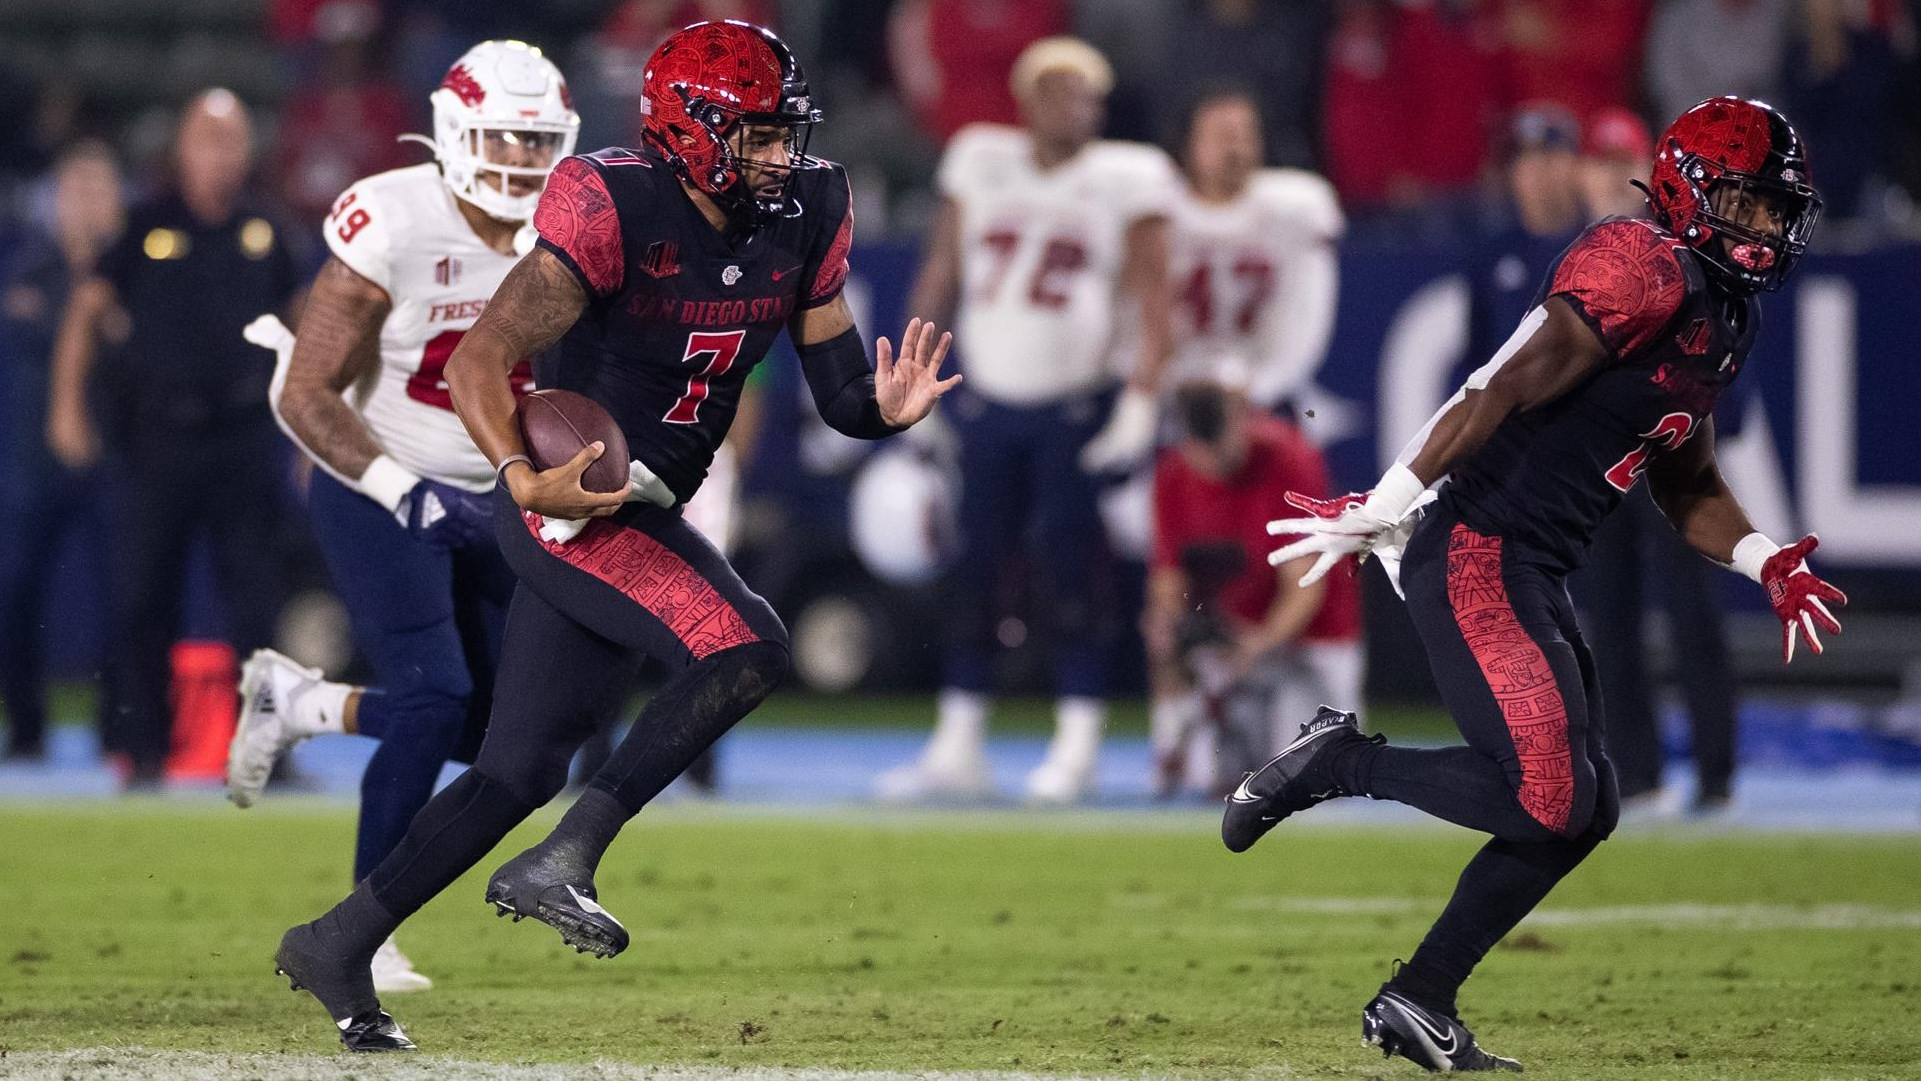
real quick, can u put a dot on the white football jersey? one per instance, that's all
(1041, 257)
(1255, 281)
(403, 231)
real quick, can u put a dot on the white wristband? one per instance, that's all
(1750, 552)
(1396, 492)
(387, 482)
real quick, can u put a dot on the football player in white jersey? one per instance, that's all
(1052, 244)
(400, 502)
(1252, 256)
(1255, 271)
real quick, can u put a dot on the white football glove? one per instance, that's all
(1355, 524)
(643, 486)
(1126, 437)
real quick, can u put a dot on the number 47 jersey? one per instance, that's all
(403, 231)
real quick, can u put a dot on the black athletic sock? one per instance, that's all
(356, 926)
(456, 830)
(588, 827)
(1501, 885)
(681, 721)
(1456, 784)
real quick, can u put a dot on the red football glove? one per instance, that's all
(1797, 595)
(1328, 509)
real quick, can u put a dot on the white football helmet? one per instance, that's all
(502, 120)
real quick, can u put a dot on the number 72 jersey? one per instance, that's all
(1042, 254)
(403, 231)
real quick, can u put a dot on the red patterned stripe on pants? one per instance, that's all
(657, 579)
(1516, 671)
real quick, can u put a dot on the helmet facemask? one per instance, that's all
(482, 162)
(1747, 259)
(725, 180)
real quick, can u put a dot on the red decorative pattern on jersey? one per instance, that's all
(832, 273)
(577, 215)
(1516, 671)
(464, 85)
(656, 578)
(1626, 278)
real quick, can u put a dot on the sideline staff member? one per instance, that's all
(183, 409)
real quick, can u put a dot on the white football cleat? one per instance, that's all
(932, 777)
(1061, 780)
(281, 703)
(394, 974)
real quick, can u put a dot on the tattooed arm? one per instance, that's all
(338, 343)
(534, 306)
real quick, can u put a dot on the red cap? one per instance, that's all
(1613, 131)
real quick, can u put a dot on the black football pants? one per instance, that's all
(1518, 679)
(585, 615)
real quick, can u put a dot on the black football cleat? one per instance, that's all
(1427, 1038)
(373, 1032)
(1296, 779)
(345, 987)
(558, 891)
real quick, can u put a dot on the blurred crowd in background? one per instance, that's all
(1403, 105)
(1500, 125)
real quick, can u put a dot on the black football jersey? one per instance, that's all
(678, 312)
(1547, 476)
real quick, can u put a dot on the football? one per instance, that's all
(555, 424)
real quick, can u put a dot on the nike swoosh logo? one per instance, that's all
(587, 903)
(779, 274)
(1443, 1040)
(1242, 795)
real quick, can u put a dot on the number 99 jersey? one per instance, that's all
(403, 231)
(1041, 257)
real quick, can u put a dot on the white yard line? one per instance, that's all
(144, 1064)
(1748, 917)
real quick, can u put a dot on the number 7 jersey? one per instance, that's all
(403, 231)
(678, 313)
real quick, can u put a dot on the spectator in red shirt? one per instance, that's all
(952, 58)
(1239, 654)
(345, 123)
(1410, 90)
(1585, 54)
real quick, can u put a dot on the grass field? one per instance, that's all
(1124, 945)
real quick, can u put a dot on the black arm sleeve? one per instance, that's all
(843, 386)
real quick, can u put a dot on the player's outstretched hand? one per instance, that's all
(907, 387)
(1799, 597)
(1337, 528)
(556, 492)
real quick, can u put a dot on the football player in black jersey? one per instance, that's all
(661, 277)
(1614, 374)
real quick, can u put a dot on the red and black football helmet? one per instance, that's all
(1749, 146)
(708, 80)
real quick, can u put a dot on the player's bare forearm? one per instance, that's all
(1560, 354)
(534, 306)
(337, 344)
(1688, 486)
(1294, 605)
(1167, 597)
(69, 429)
(936, 292)
(1144, 279)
